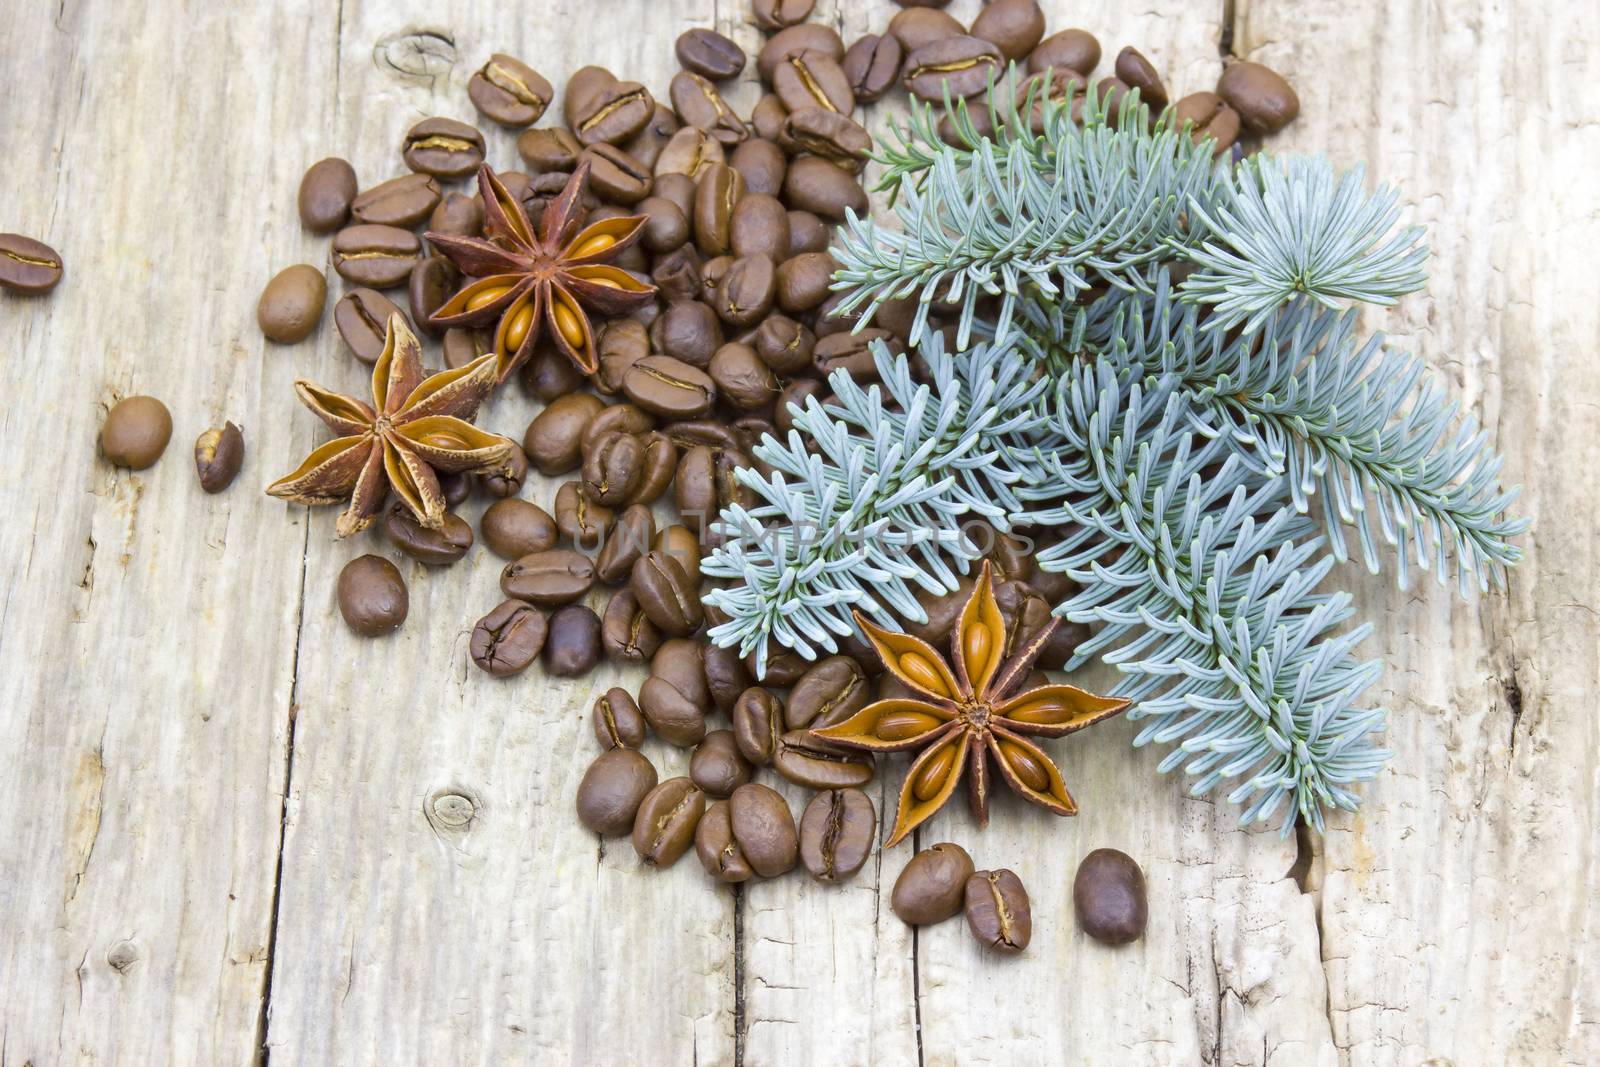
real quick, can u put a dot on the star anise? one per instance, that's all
(413, 430)
(524, 281)
(969, 712)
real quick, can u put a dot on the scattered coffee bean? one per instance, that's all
(599, 108)
(1013, 26)
(872, 65)
(777, 14)
(626, 632)
(1207, 115)
(516, 528)
(786, 346)
(717, 849)
(443, 148)
(573, 644)
(757, 724)
(665, 228)
(291, 305)
(807, 233)
(664, 828)
(629, 539)
(1108, 896)
(669, 387)
(361, 317)
(688, 153)
(612, 789)
(726, 676)
(1264, 101)
(764, 828)
(803, 282)
(761, 163)
(437, 548)
(660, 464)
(455, 488)
(218, 455)
(717, 766)
(916, 27)
(741, 377)
(549, 578)
(402, 202)
(372, 596)
(744, 295)
(932, 886)
(680, 544)
(837, 831)
(554, 440)
(550, 150)
(616, 176)
(699, 103)
(813, 184)
(813, 80)
(998, 912)
(581, 520)
(646, 145)
(784, 668)
(666, 594)
(1074, 50)
(808, 761)
(379, 257)
(961, 66)
(828, 693)
(855, 353)
(612, 468)
(507, 481)
(507, 91)
(1137, 72)
(550, 375)
(433, 281)
(792, 41)
(136, 432)
(326, 192)
(617, 721)
(766, 117)
(508, 639)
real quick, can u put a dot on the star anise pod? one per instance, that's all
(525, 281)
(414, 430)
(969, 712)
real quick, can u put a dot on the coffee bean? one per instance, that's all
(932, 886)
(581, 520)
(573, 645)
(803, 282)
(741, 377)
(960, 65)
(616, 175)
(784, 668)
(665, 825)
(792, 41)
(830, 692)
(1207, 115)
(549, 578)
(403, 202)
(433, 281)
(726, 676)
(218, 455)
(612, 790)
(711, 275)
(776, 14)
(617, 721)
(628, 540)
(831, 136)
(554, 438)
(1137, 72)
(816, 185)
(1111, 92)
(784, 345)
(915, 27)
(757, 718)
(1265, 102)
(709, 432)
(372, 596)
(507, 91)
(675, 705)
(379, 257)
(549, 374)
(764, 828)
(677, 275)
(455, 488)
(837, 831)
(854, 353)
(599, 108)
(549, 150)
(717, 849)
(621, 344)
(509, 638)
(326, 191)
(660, 465)
(626, 631)
(718, 193)
(872, 65)
(443, 148)
(716, 765)
(698, 103)
(666, 594)
(680, 544)
(612, 468)
(507, 482)
(436, 548)
(744, 296)
(806, 760)
(458, 215)
(669, 387)
(767, 116)
(998, 912)
(136, 432)
(361, 317)
(665, 227)
(689, 152)
(795, 395)
(694, 489)
(761, 164)
(812, 79)
(291, 305)
(617, 418)
(807, 233)
(1013, 26)
(1075, 50)
(646, 145)
(1108, 896)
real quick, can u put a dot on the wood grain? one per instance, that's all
(170, 661)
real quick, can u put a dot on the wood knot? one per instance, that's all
(417, 55)
(122, 955)
(450, 810)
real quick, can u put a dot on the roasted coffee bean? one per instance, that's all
(549, 150)
(1013, 26)
(507, 91)
(437, 548)
(694, 489)
(837, 831)
(784, 667)
(548, 578)
(677, 275)
(711, 274)
(1111, 92)
(716, 765)
(660, 464)
(612, 789)
(807, 233)
(1207, 115)
(581, 520)
(757, 724)
(716, 196)
(698, 103)
(515, 528)
(830, 692)
(617, 418)
(792, 41)
(717, 849)
(1135, 71)
(795, 395)
(458, 215)
(832, 136)
(616, 175)
(726, 676)
(1265, 102)
(135, 432)
(508, 639)
(646, 145)
(742, 378)
(626, 631)
(784, 345)
(764, 828)
(572, 647)
(326, 191)
(960, 65)
(670, 387)
(1108, 896)
(664, 828)
(805, 760)
(554, 440)
(455, 488)
(816, 185)
(218, 455)
(461, 344)
(1075, 50)
(665, 227)
(854, 353)
(507, 482)
(291, 305)
(744, 296)
(689, 152)
(942, 611)
(690, 332)
(433, 281)
(618, 722)
(379, 257)
(872, 66)
(600, 108)
(679, 542)
(442, 147)
(679, 189)
(777, 14)
(549, 374)
(916, 27)
(372, 596)
(767, 117)
(622, 343)
(612, 468)
(402, 202)
(761, 164)
(998, 912)
(666, 594)
(710, 432)
(813, 79)
(932, 886)
(629, 539)
(802, 282)
(675, 698)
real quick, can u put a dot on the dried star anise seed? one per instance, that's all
(967, 712)
(414, 430)
(524, 280)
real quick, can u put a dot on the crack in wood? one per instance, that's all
(738, 976)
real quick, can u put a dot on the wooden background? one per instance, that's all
(230, 826)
